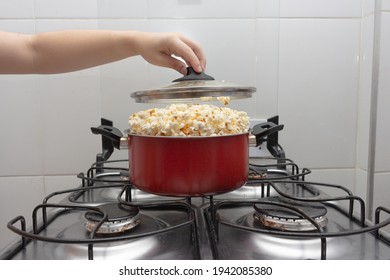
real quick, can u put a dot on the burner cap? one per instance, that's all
(257, 172)
(121, 218)
(277, 216)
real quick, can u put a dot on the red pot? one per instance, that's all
(188, 166)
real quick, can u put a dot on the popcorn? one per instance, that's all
(189, 120)
(224, 99)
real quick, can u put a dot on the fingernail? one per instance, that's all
(199, 68)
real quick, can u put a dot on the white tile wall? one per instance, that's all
(201, 9)
(320, 8)
(267, 67)
(317, 95)
(122, 9)
(382, 153)
(382, 157)
(361, 184)
(21, 146)
(65, 9)
(309, 59)
(386, 5)
(364, 99)
(17, 9)
(368, 7)
(267, 8)
(71, 106)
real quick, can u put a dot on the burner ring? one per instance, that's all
(121, 218)
(276, 216)
(289, 225)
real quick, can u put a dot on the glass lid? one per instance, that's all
(194, 87)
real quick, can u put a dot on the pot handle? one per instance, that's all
(262, 130)
(110, 133)
(192, 75)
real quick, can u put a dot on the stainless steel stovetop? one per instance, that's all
(219, 227)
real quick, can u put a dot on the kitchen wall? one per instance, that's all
(381, 162)
(320, 65)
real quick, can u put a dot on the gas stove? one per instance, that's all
(278, 214)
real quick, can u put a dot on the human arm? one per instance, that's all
(72, 50)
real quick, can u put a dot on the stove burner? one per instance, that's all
(257, 172)
(285, 219)
(121, 218)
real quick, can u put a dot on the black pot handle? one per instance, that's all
(262, 130)
(192, 75)
(110, 133)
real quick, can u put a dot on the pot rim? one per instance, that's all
(185, 137)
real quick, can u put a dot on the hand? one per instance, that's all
(161, 49)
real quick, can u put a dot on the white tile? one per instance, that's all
(19, 9)
(267, 8)
(361, 190)
(21, 144)
(368, 7)
(65, 9)
(18, 196)
(267, 62)
(46, 25)
(364, 101)
(318, 84)
(361, 184)
(385, 5)
(201, 9)
(320, 8)
(122, 9)
(339, 177)
(70, 105)
(382, 156)
(19, 26)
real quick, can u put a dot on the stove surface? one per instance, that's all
(214, 227)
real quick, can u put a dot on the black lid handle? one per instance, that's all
(192, 75)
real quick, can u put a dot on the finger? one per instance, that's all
(197, 49)
(172, 62)
(188, 52)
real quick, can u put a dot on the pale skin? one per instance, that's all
(73, 50)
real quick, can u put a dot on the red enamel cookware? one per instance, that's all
(188, 166)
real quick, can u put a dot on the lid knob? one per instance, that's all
(194, 76)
